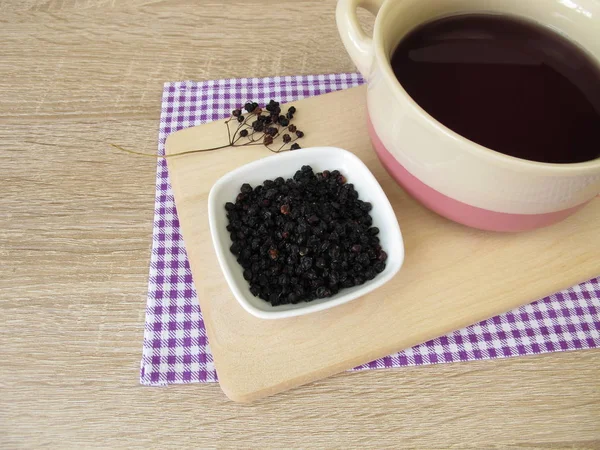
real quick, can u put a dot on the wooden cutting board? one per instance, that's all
(453, 276)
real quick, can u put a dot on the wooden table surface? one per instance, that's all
(75, 236)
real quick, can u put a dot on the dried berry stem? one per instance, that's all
(188, 152)
(271, 120)
(240, 126)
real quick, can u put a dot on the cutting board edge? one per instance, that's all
(325, 372)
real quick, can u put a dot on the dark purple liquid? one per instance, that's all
(508, 84)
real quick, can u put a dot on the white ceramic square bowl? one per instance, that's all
(285, 165)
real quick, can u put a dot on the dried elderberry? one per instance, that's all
(303, 238)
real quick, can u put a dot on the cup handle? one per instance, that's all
(358, 45)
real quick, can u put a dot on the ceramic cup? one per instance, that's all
(449, 174)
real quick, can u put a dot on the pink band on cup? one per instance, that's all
(458, 211)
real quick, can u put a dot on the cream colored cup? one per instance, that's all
(455, 177)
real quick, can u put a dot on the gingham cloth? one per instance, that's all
(176, 349)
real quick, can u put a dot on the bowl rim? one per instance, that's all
(220, 251)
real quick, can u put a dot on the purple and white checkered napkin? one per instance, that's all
(176, 349)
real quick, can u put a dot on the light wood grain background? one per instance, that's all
(75, 233)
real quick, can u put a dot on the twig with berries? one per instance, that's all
(266, 126)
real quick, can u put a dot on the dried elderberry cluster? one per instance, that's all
(264, 127)
(256, 126)
(303, 238)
